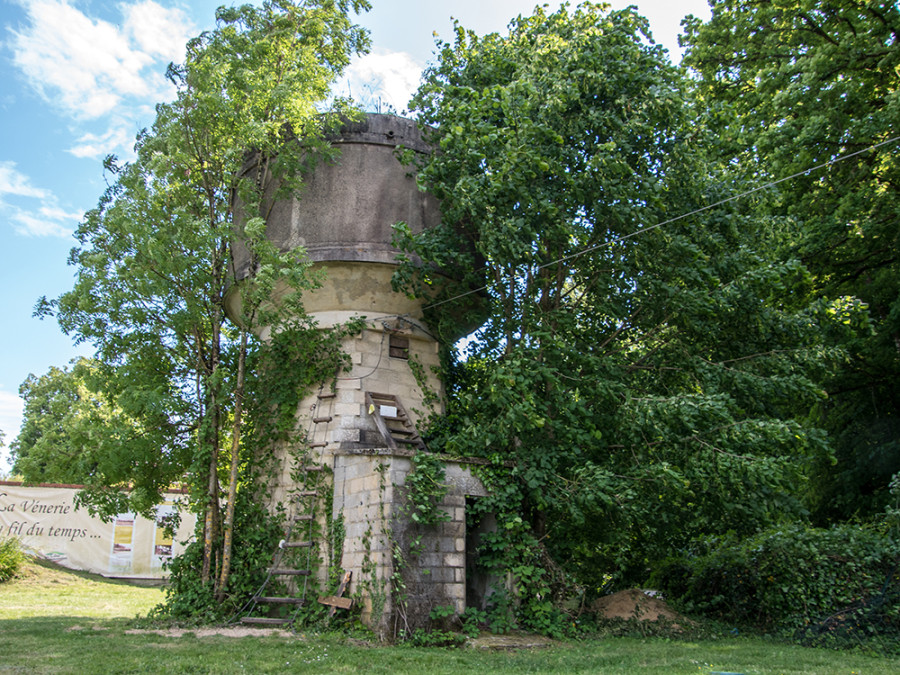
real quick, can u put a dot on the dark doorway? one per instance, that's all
(479, 584)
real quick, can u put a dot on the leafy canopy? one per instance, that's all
(153, 266)
(57, 441)
(644, 381)
(795, 84)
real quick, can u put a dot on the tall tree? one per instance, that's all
(60, 440)
(50, 402)
(153, 266)
(643, 375)
(800, 83)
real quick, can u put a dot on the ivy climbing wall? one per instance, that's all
(402, 569)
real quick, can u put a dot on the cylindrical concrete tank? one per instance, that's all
(344, 216)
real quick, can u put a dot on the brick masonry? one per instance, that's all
(368, 478)
(368, 493)
(348, 425)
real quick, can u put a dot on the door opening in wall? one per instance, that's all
(479, 583)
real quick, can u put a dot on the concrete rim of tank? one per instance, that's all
(382, 129)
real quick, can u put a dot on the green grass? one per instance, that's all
(42, 589)
(53, 621)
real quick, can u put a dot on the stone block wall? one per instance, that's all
(368, 495)
(372, 369)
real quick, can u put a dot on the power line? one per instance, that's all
(741, 195)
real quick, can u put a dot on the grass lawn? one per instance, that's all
(53, 621)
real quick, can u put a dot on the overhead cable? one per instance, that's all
(642, 230)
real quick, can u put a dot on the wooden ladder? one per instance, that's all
(304, 505)
(304, 501)
(393, 421)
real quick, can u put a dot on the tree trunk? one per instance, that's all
(211, 524)
(233, 475)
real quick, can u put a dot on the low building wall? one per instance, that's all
(368, 498)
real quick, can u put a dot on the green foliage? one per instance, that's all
(188, 597)
(37, 620)
(435, 638)
(298, 358)
(440, 632)
(153, 266)
(472, 621)
(528, 601)
(337, 533)
(425, 489)
(11, 557)
(645, 376)
(794, 84)
(58, 442)
(154, 269)
(791, 578)
(892, 510)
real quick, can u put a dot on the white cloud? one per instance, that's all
(14, 183)
(57, 213)
(93, 146)
(157, 30)
(45, 222)
(382, 77)
(88, 66)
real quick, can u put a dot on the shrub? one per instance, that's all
(256, 535)
(793, 577)
(11, 557)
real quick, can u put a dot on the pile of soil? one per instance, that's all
(634, 604)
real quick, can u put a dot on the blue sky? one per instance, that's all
(79, 78)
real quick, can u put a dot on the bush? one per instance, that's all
(11, 557)
(796, 578)
(256, 535)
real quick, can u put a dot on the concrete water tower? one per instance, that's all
(364, 425)
(343, 219)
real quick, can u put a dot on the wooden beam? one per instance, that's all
(335, 601)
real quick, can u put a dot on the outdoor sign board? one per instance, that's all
(44, 518)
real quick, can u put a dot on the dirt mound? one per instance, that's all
(634, 604)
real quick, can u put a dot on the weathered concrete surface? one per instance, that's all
(346, 209)
(343, 219)
(509, 641)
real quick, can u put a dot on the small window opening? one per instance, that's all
(398, 347)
